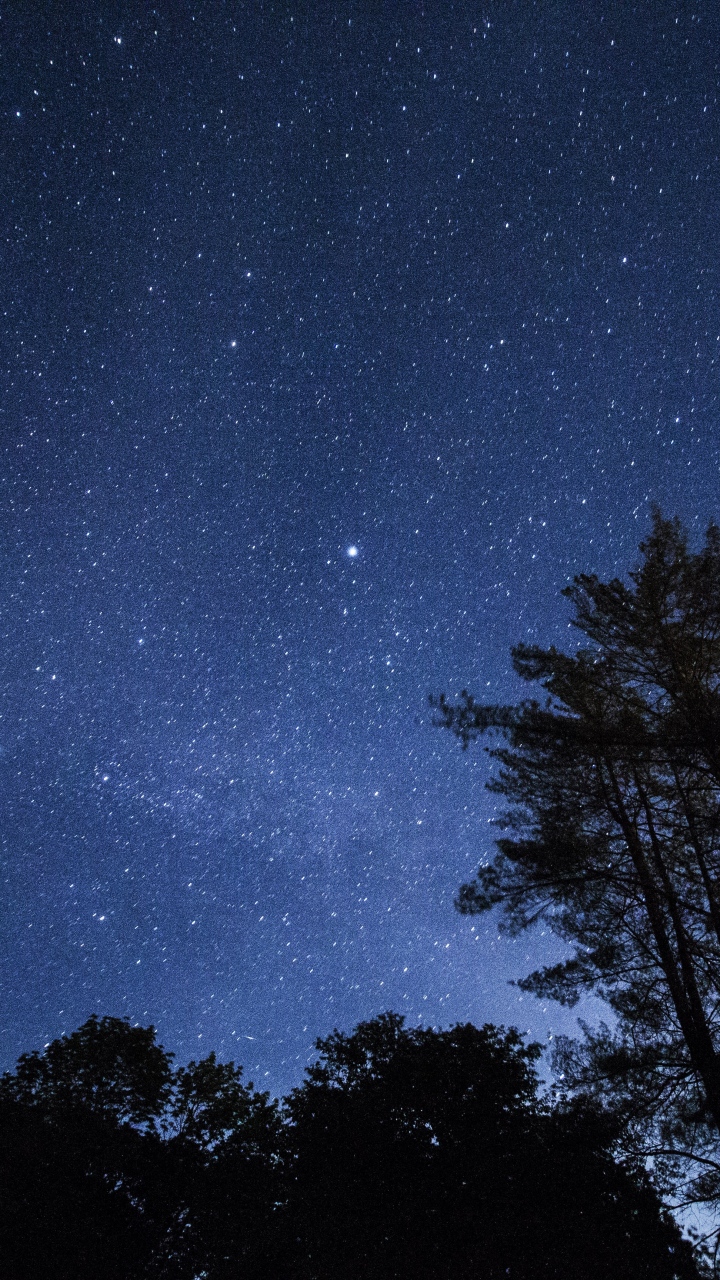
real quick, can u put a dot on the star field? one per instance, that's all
(336, 339)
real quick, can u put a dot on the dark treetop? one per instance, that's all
(613, 835)
(404, 1152)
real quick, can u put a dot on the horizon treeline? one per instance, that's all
(404, 1152)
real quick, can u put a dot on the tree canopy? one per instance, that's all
(108, 1155)
(612, 833)
(404, 1152)
(106, 1067)
(427, 1153)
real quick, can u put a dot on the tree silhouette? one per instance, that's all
(613, 833)
(427, 1153)
(111, 1161)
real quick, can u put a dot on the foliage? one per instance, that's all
(114, 1070)
(403, 1152)
(108, 1156)
(426, 1153)
(612, 833)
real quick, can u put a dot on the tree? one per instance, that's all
(405, 1152)
(612, 835)
(112, 1162)
(427, 1153)
(80, 1159)
(107, 1067)
(227, 1138)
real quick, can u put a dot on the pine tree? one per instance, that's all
(612, 834)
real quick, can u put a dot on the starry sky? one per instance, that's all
(336, 338)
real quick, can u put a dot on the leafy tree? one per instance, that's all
(425, 1153)
(108, 1067)
(81, 1166)
(238, 1205)
(111, 1161)
(79, 1195)
(612, 834)
(227, 1142)
(404, 1152)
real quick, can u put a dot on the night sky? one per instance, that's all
(336, 339)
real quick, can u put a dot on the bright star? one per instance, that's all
(353, 551)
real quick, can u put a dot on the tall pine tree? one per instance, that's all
(612, 833)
